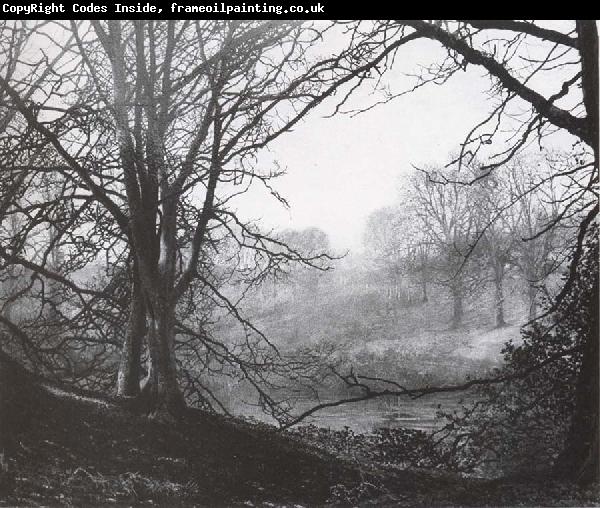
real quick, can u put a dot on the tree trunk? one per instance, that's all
(457, 310)
(531, 294)
(499, 297)
(580, 456)
(161, 388)
(424, 298)
(128, 380)
(587, 34)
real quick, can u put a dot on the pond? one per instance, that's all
(364, 417)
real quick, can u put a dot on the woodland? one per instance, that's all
(141, 311)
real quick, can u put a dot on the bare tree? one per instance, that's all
(448, 216)
(384, 240)
(154, 128)
(311, 242)
(533, 190)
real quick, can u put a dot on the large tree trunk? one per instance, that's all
(161, 388)
(587, 33)
(579, 458)
(128, 379)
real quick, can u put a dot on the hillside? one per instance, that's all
(354, 324)
(81, 449)
(347, 306)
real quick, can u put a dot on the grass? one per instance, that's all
(360, 317)
(71, 450)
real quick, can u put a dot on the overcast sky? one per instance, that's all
(341, 169)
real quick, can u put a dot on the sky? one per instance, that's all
(340, 169)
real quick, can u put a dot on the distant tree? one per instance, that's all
(497, 247)
(385, 243)
(420, 258)
(496, 239)
(310, 242)
(449, 218)
(538, 241)
(398, 247)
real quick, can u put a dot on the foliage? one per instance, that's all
(521, 425)
(391, 446)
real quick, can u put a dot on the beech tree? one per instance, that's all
(153, 128)
(173, 110)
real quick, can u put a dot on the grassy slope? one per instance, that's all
(84, 450)
(88, 451)
(359, 323)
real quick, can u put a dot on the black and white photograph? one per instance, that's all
(259, 257)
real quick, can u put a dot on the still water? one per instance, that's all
(364, 417)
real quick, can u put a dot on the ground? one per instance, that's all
(83, 449)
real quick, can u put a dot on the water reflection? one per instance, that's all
(364, 417)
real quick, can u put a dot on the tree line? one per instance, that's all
(464, 233)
